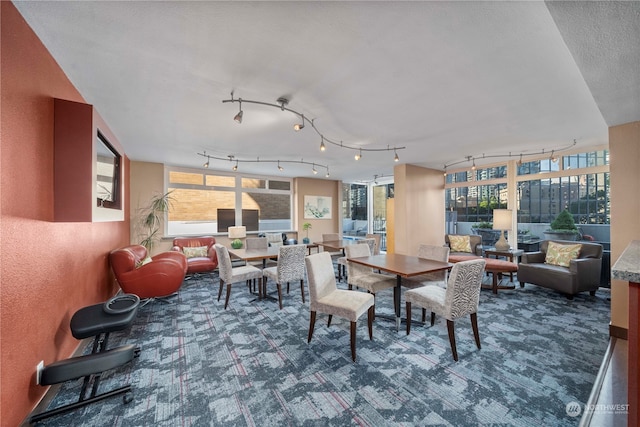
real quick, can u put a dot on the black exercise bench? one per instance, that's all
(98, 321)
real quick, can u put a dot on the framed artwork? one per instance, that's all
(317, 207)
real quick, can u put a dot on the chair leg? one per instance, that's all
(408, 312)
(433, 318)
(370, 321)
(280, 294)
(312, 325)
(424, 314)
(474, 325)
(329, 321)
(287, 288)
(226, 301)
(302, 289)
(220, 290)
(353, 341)
(452, 338)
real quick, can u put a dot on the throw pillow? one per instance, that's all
(460, 243)
(142, 262)
(194, 252)
(561, 255)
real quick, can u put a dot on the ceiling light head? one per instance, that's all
(238, 117)
(300, 125)
(280, 168)
(235, 167)
(396, 158)
(322, 146)
(315, 172)
(358, 155)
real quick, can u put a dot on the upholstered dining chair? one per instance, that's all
(325, 297)
(377, 238)
(342, 261)
(433, 252)
(364, 277)
(290, 268)
(460, 298)
(230, 275)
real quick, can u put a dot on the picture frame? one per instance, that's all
(317, 207)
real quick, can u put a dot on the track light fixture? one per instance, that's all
(232, 158)
(238, 117)
(282, 102)
(358, 155)
(395, 157)
(315, 172)
(473, 159)
(280, 168)
(235, 167)
(206, 165)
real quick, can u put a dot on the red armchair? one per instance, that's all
(159, 277)
(196, 263)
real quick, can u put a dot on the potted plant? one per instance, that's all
(562, 228)
(236, 244)
(149, 219)
(306, 227)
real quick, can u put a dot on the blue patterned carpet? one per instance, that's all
(251, 365)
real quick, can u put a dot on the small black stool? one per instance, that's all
(98, 321)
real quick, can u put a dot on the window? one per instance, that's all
(108, 174)
(354, 209)
(201, 196)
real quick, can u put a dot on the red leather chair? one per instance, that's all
(198, 264)
(161, 276)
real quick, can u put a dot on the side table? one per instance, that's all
(509, 255)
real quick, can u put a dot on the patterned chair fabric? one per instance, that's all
(230, 275)
(274, 239)
(290, 268)
(460, 298)
(342, 261)
(377, 238)
(433, 252)
(257, 243)
(364, 277)
(325, 297)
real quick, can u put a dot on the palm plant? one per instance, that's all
(150, 219)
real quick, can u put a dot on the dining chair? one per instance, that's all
(274, 239)
(364, 277)
(257, 243)
(230, 275)
(460, 298)
(325, 297)
(290, 268)
(432, 252)
(377, 238)
(342, 261)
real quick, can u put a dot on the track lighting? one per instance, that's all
(396, 158)
(358, 155)
(553, 157)
(231, 158)
(282, 102)
(238, 117)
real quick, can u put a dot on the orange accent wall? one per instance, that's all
(48, 269)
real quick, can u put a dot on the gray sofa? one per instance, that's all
(583, 273)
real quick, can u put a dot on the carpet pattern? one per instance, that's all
(251, 365)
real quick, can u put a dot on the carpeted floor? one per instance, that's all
(251, 365)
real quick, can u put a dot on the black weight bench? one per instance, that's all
(98, 321)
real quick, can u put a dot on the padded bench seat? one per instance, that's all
(494, 266)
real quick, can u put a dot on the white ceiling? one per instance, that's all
(443, 79)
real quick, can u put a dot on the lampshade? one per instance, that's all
(502, 219)
(238, 232)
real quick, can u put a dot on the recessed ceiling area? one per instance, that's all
(446, 80)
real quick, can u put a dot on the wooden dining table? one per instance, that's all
(401, 266)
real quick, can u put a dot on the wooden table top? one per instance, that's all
(402, 265)
(336, 245)
(255, 254)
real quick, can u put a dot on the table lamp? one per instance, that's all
(502, 221)
(236, 234)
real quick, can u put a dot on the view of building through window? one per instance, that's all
(205, 200)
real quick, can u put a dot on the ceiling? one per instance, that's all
(446, 80)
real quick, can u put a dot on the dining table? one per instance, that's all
(263, 255)
(402, 266)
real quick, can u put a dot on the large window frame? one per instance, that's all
(240, 189)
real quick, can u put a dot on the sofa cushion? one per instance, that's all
(460, 243)
(561, 255)
(195, 252)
